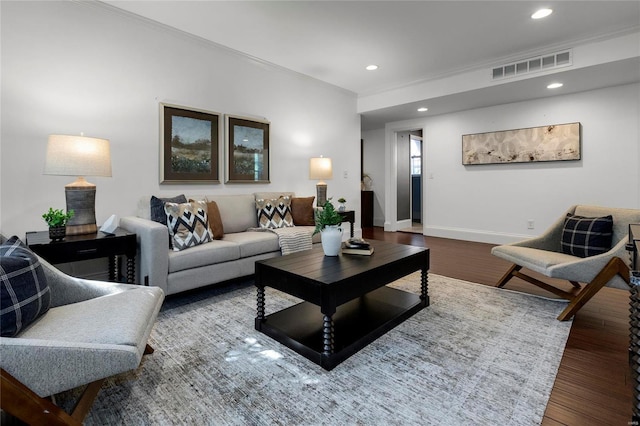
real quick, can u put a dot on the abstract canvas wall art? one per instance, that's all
(556, 142)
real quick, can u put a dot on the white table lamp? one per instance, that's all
(320, 168)
(79, 156)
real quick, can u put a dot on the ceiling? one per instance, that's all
(410, 41)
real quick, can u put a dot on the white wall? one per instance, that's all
(71, 67)
(492, 203)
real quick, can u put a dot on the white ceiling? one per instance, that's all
(411, 42)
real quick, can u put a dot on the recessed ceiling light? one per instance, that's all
(423, 109)
(554, 85)
(372, 67)
(542, 13)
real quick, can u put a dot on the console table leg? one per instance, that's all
(131, 270)
(327, 335)
(112, 268)
(634, 342)
(424, 286)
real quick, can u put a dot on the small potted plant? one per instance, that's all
(342, 207)
(328, 222)
(57, 221)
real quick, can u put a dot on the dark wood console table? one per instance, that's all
(89, 246)
(349, 216)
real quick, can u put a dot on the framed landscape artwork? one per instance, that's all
(189, 145)
(247, 150)
(557, 142)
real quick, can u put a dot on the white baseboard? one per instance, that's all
(474, 235)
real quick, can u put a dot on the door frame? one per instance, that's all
(391, 223)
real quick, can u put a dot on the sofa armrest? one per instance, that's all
(153, 250)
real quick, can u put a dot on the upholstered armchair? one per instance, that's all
(91, 331)
(546, 255)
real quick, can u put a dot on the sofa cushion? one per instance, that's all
(586, 236)
(254, 243)
(217, 251)
(188, 224)
(238, 212)
(302, 211)
(24, 292)
(274, 213)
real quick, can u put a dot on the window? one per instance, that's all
(416, 156)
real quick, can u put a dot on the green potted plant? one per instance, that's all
(328, 222)
(57, 220)
(342, 201)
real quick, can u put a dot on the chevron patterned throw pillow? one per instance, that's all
(274, 213)
(188, 224)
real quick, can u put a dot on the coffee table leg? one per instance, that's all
(260, 296)
(424, 287)
(327, 335)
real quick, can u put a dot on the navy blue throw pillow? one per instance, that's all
(586, 236)
(157, 212)
(24, 292)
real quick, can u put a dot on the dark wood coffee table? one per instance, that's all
(347, 304)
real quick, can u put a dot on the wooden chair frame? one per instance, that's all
(579, 295)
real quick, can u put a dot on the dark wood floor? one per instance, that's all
(593, 385)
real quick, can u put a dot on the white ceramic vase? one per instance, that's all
(331, 237)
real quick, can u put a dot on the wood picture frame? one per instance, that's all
(247, 150)
(556, 142)
(189, 145)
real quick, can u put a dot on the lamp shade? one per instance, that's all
(77, 156)
(320, 168)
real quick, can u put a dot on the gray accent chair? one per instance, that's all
(588, 275)
(93, 330)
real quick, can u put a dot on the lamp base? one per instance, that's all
(321, 194)
(82, 200)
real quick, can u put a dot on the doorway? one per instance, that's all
(409, 181)
(416, 181)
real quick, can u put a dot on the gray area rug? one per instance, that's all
(477, 356)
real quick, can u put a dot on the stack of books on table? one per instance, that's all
(357, 246)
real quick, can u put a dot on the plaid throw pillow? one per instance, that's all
(586, 236)
(24, 292)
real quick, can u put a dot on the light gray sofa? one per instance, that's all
(231, 257)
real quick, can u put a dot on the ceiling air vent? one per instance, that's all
(531, 65)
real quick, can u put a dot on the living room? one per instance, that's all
(71, 67)
(103, 72)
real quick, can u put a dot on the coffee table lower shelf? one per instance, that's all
(356, 324)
